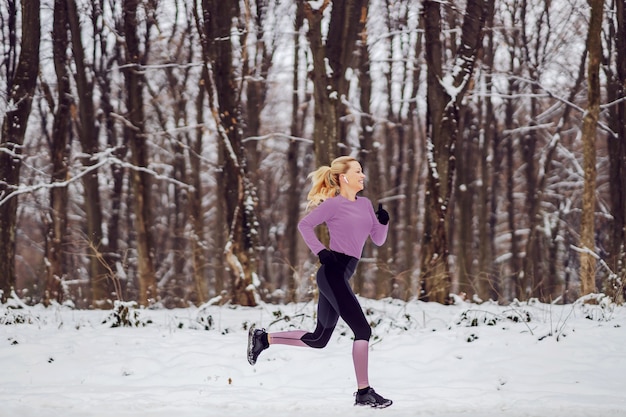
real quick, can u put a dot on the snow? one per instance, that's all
(525, 359)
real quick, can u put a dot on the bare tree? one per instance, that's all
(590, 123)
(535, 246)
(296, 129)
(59, 154)
(21, 85)
(99, 268)
(261, 23)
(336, 50)
(477, 183)
(444, 99)
(170, 98)
(368, 153)
(134, 132)
(615, 93)
(198, 240)
(495, 182)
(238, 194)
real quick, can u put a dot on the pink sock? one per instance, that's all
(291, 338)
(360, 350)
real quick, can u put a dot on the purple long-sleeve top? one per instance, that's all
(349, 224)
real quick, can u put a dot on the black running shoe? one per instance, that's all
(371, 398)
(257, 343)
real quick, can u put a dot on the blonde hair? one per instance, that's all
(325, 180)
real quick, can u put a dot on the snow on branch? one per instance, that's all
(149, 171)
(563, 100)
(103, 158)
(143, 68)
(452, 83)
(276, 135)
(597, 257)
(612, 103)
(10, 152)
(24, 189)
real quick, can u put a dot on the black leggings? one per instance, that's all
(336, 299)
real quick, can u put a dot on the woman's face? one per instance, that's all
(354, 178)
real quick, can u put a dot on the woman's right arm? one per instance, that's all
(307, 226)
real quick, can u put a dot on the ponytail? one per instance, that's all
(325, 181)
(323, 186)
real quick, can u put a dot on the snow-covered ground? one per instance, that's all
(527, 359)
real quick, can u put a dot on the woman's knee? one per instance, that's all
(318, 340)
(363, 333)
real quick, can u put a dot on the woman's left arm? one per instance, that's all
(380, 225)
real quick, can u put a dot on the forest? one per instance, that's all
(157, 151)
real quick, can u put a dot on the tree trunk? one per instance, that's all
(616, 90)
(135, 137)
(198, 240)
(325, 134)
(435, 277)
(346, 23)
(239, 197)
(256, 85)
(466, 194)
(590, 123)
(489, 154)
(99, 269)
(114, 252)
(414, 173)
(256, 82)
(293, 194)
(442, 130)
(21, 87)
(369, 155)
(59, 155)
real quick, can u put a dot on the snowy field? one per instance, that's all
(527, 359)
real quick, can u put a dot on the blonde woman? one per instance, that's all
(350, 220)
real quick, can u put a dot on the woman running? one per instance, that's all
(350, 220)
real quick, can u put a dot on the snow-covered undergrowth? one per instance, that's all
(477, 360)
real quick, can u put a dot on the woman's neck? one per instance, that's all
(348, 194)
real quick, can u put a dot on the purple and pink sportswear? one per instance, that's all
(349, 224)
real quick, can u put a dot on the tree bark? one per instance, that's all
(616, 91)
(256, 68)
(442, 131)
(369, 155)
(490, 159)
(198, 240)
(56, 240)
(293, 194)
(336, 53)
(590, 123)
(99, 268)
(19, 102)
(135, 137)
(414, 172)
(325, 134)
(466, 192)
(239, 196)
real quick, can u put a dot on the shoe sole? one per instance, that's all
(373, 405)
(251, 360)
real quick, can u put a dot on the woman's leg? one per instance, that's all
(346, 302)
(351, 312)
(291, 338)
(327, 318)
(360, 350)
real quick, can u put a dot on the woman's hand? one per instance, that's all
(326, 257)
(382, 215)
